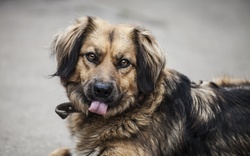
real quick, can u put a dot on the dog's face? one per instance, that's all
(105, 67)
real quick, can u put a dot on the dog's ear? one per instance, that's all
(67, 45)
(150, 60)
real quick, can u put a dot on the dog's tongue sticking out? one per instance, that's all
(98, 107)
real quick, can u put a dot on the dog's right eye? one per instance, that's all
(124, 63)
(91, 57)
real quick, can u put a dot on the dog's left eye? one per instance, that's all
(124, 63)
(91, 57)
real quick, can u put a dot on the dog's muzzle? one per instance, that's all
(101, 95)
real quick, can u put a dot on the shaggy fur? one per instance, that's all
(149, 110)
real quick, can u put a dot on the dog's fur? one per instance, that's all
(152, 110)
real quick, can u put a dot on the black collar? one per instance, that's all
(64, 109)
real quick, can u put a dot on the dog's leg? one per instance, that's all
(119, 152)
(124, 149)
(63, 151)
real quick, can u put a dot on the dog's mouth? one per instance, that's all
(95, 106)
(101, 96)
(64, 109)
(102, 107)
(98, 107)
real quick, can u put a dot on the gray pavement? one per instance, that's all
(203, 39)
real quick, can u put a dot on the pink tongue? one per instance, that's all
(98, 107)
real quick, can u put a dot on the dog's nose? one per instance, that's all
(102, 90)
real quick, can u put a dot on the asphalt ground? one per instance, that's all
(203, 39)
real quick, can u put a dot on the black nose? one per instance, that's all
(102, 90)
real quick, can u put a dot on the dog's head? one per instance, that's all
(105, 67)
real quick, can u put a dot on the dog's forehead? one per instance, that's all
(105, 28)
(111, 38)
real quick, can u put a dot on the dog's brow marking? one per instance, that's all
(111, 36)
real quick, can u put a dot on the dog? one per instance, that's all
(124, 101)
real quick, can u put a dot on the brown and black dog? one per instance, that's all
(124, 101)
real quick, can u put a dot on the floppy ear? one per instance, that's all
(67, 45)
(150, 60)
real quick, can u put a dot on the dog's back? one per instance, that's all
(232, 83)
(220, 116)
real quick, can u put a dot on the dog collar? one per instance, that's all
(64, 109)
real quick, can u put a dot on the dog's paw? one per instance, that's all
(63, 151)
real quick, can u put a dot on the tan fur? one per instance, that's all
(63, 151)
(227, 81)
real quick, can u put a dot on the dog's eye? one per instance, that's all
(124, 63)
(91, 57)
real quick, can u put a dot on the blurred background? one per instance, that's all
(203, 39)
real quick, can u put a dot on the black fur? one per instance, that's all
(145, 75)
(67, 67)
(226, 131)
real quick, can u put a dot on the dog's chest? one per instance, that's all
(92, 152)
(90, 136)
(86, 144)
